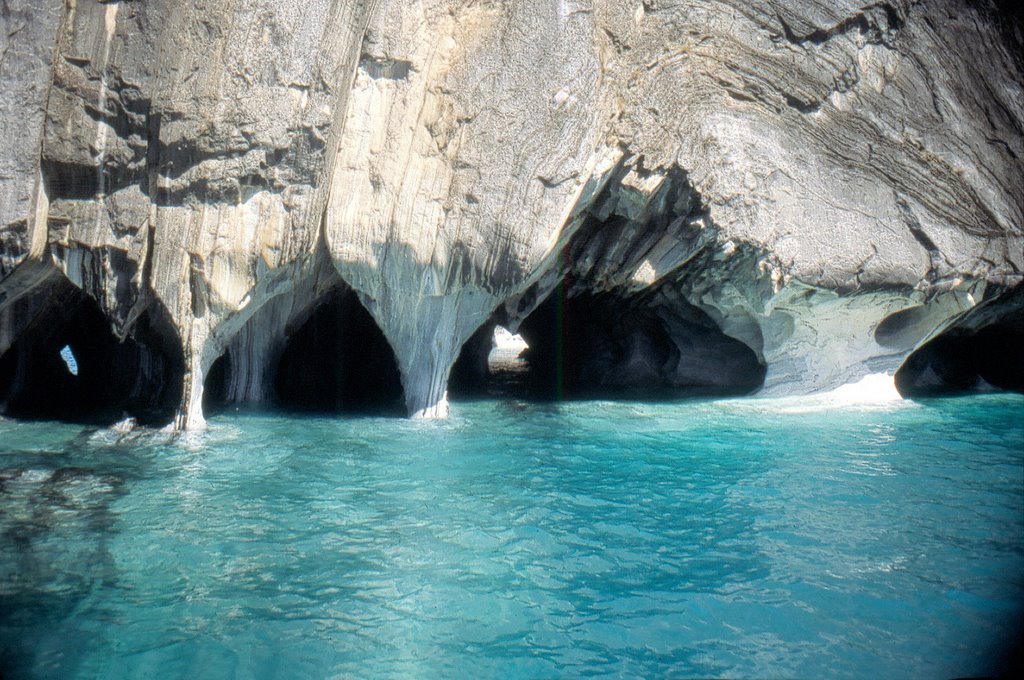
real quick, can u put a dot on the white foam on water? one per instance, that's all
(873, 392)
(876, 391)
(871, 389)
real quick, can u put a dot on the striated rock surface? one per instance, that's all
(715, 196)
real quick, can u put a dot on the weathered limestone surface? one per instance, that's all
(182, 157)
(26, 51)
(798, 172)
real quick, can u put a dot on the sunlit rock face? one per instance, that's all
(180, 154)
(812, 188)
(471, 131)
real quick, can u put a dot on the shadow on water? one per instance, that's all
(56, 522)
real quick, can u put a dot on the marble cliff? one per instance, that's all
(698, 196)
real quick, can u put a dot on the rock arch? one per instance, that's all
(979, 350)
(315, 349)
(66, 362)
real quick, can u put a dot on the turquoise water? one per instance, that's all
(750, 538)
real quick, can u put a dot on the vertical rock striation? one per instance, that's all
(472, 129)
(773, 194)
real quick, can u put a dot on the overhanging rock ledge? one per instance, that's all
(777, 194)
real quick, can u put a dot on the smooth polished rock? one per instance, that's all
(798, 172)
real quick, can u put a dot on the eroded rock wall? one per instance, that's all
(795, 172)
(181, 160)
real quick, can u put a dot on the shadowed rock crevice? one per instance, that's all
(600, 345)
(471, 375)
(603, 345)
(333, 359)
(902, 329)
(981, 351)
(68, 365)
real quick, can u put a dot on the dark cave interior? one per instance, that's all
(963, 360)
(982, 352)
(600, 346)
(333, 360)
(140, 376)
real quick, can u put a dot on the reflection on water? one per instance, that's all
(55, 522)
(516, 539)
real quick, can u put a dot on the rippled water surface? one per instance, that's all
(726, 539)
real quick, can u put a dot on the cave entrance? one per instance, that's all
(651, 346)
(979, 353)
(68, 365)
(507, 352)
(492, 363)
(331, 359)
(338, 361)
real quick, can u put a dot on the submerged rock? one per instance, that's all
(771, 195)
